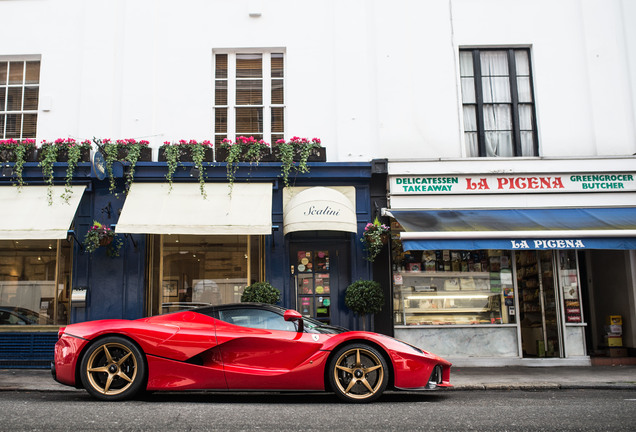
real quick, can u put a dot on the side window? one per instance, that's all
(498, 102)
(256, 318)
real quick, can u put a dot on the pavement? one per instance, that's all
(462, 378)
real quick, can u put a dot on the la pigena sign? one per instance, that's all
(509, 183)
(547, 244)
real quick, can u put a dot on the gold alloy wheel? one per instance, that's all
(359, 373)
(112, 368)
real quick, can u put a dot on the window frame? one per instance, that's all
(514, 100)
(4, 112)
(231, 106)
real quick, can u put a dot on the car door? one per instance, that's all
(260, 350)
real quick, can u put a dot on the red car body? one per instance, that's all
(190, 350)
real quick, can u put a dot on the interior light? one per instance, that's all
(432, 297)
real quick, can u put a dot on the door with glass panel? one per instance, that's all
(541, 324)
(316, 279)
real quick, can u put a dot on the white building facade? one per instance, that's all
(510, 108)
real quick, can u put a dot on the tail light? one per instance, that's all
(60, 332)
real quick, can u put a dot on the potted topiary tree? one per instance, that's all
(261, 292)
(364, 297)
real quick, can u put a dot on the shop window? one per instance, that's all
(19, 94)
(34, 282)
(498, 102)
(188, 271)
(453, 287)
(249, 95)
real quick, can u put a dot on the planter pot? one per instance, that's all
(144, 156)
(186, 156)
(9, 155)
(316, 155)
(62, 155)
(221, 156)
(105, 241)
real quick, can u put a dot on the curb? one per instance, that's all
(462, 387)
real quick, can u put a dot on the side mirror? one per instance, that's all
(292, 315)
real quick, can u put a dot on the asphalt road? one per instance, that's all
(513, 410)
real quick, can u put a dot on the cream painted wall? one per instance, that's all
(372, 79)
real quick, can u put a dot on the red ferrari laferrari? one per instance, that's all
(239, 347)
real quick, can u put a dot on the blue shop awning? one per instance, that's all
(470, 229)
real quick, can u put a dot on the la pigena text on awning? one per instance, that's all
(531, 229)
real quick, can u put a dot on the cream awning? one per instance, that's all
(25, 213)
(319, 208)
(150, 208)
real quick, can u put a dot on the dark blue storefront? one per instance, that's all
(103, 287)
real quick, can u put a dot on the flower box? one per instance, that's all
(8, 155)
(144, 156)
(222, 154)
(185, 155)
(62, 155)
(317, 154)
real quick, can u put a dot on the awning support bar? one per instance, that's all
(71, 233)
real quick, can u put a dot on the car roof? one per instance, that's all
(211, 310)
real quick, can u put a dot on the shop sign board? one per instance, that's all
(512, 183)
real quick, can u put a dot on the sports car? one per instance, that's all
(239, 347)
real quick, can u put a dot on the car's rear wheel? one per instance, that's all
(113, 368)
(358, 373)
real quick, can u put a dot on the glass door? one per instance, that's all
(313, 283)
(538, 302)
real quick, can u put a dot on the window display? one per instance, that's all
(453, 287)
(34, 282)
(200, 270)
(568, 274)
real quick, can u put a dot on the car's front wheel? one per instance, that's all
(113, 368)
(358, 373)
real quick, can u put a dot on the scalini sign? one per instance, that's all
(509, 183)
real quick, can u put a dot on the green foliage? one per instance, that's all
(261, 292)
(48, 156)
(17, 150)
(287, 160)
(364, 297)
(296, 146)
(110, 156)
(198, 154)
(173, 154)
(244, 149)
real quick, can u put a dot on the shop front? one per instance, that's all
(489, 266)
(180, 245)
(36, 258)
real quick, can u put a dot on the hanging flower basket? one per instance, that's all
(100, 235)
(374, 238)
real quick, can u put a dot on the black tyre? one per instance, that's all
(358, 373)
(113, 369)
